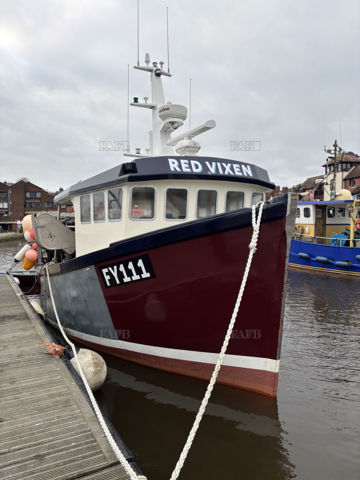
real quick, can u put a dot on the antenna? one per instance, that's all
(138, 32)
(167, 38)
(127, 111)
(340, 132)
(190, 104)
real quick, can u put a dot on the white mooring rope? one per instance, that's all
(252, 247)
(98, 413)
(256, 221)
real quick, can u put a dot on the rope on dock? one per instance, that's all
(133, 475)
(252, 247)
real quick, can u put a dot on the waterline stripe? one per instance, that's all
(256, 363)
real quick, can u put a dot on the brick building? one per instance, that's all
(352, 181)
(21, 198)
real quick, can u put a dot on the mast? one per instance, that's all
(166, 118)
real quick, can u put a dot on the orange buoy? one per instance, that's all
(26, 223)
(27, 264)
(31, 255)
(27, 236)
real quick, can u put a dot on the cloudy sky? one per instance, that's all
(282, 72)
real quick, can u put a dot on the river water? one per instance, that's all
(312, 431)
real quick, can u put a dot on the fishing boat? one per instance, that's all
(327, 236)
(327, 232)
(153, 269)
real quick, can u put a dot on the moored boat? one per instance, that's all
(153, 269)
(327, 237)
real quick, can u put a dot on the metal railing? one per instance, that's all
(326, 240)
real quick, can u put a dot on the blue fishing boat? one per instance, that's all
(327, 236)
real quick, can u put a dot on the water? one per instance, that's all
(312, 431)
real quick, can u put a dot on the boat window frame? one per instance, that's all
(121, 204)
(308, 212)
(226, 198)
(197, 201)
(90, 208)
(93, 206)
(333, 209)
(256, 193)
(147, 219)
(187, 203)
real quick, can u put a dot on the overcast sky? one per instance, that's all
(282, 72)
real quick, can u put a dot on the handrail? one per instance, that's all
(325, 240)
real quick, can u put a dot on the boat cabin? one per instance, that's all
(323, 221)
(166, 186)
(153, 193)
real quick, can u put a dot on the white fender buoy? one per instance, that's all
(21, 253)
(36, 306)
(93, 366)
(16, 280)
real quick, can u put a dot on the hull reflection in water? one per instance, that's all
(240, 435)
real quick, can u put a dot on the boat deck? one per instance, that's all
(47, 427)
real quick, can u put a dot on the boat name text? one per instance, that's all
(211, 168)
(128, 271)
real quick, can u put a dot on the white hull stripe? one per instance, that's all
(256, 363)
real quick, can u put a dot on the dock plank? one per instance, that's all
(47, 428)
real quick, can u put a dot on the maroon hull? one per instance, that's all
(165, 299)
(189, 303)
(193, 313)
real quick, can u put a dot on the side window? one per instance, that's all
(234, 201)
(99, 207)
(298, 212)
(256, 198)
(176, 201)
(307, 212)
(142, 202)
(85, 208)
(331, 212)
(341, 212)
(114, 203)
(206, 203)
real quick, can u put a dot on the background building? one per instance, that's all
(21, 198)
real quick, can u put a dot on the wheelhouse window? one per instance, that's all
(206, 203)
(114, 203)
(234, 201)
(331, 212)
(99, 206)
(256, 198)
(142, 203)
(307, 212)
(341, 212)
(85, 208)
(176, 202)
